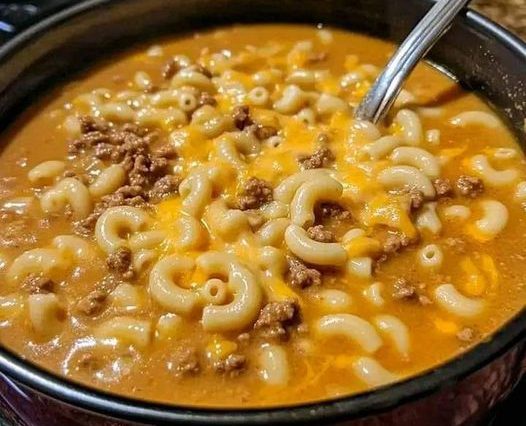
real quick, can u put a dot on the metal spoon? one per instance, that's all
(387, 86)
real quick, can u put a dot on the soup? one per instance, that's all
(203, 222)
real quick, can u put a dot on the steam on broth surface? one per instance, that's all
(203, 222)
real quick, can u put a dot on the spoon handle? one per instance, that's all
(387, 86)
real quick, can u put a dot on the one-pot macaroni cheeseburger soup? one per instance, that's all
(203, 222)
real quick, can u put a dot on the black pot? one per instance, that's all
(482, 55)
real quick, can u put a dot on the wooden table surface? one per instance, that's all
(509, 13)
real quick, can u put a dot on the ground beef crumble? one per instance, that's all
(456, 244)
(120, 261)
(320, 233)
(164, 187)
(232, 365)
(201, 69)
(124, 196)
(145, 170)
(170, 68)
(166, 151)
(241, 117)
(148, 171)
(470, 186)
(404, 290)
(35, 283)
(326, 211)
(276, 317)
(265, 132)
(186, 361)
(416, 199)
(91, 124)
(256, 192)
(466, 335)
(443, 187)
(88, 361)
(301, 276)
(322, 157)
(394, 242)
(206, 98)
(93, 303)
(174, 65)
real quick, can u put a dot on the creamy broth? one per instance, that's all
(202, 222)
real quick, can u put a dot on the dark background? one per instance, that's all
(512, 412)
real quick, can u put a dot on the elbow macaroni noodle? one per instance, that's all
(429, 220)
(382, 146)
(353, 327)
(313, 251)
(165, 289)
(431, 256)
(46, 314)
(450, 299)
(481, 166)
(417, 157)
(287, 189)
(108, 181)
(274, 368)
(247, 294)
(406, 177)
(373, 293)
(308, 195)
(46, 171)
(411, 126)
(68, 191)
(372, 372)
(493, 221)
(47, 261)
(126, 330)
(475, 118)
(116, 222)
(396, 330)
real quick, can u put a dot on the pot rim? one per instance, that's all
(344, 408)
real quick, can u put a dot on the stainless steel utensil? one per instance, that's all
(387, 86)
